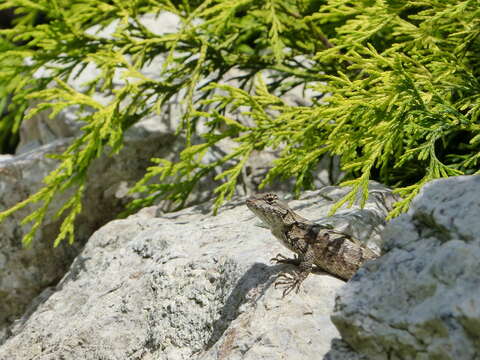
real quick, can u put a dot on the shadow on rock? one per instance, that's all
(260, 277)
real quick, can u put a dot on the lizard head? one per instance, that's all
(269, 208)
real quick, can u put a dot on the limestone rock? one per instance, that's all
(186, 285)
(421, 299)
(25, 272)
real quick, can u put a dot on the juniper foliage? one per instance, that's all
(9, 121)
(400, 103)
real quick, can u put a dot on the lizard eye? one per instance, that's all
(270, 197)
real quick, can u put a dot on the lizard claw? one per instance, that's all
(278, 258)
(282, 259)
(289, 282)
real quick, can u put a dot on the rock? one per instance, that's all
(186, 285)
(42, 130)
(25, 272)
(421, 299)
(340, 350)
(4, 157)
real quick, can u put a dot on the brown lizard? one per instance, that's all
(334, 252)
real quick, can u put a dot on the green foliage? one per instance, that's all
(399, 81)
(9, 121)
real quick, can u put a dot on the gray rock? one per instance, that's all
(25, 272)
(421, 299)
(42, 130)
(185, 285)
(339, 349)
(5, 157)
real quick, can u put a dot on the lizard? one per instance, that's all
(332, 251)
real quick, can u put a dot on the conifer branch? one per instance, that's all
(398, 91)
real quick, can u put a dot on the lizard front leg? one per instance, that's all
(293, 281)
(282, 259)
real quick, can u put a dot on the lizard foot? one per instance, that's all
(282, 259)
(290, 282)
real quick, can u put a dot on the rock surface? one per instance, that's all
(188, 285)
(25, 272)
(421, 299)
